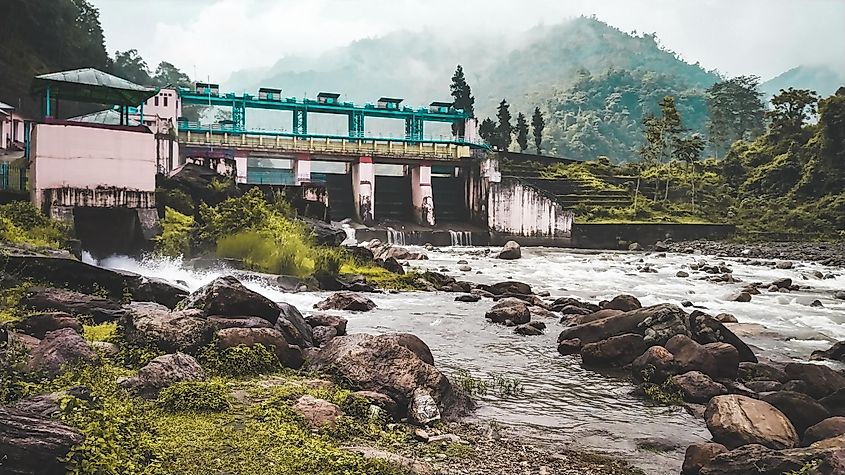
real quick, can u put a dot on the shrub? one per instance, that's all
(175, 238)
(103, 332)
(240, 360)
(117, 437)
(22, 223)
(195, 396)
(15, 381)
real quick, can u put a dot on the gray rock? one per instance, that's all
(151, 324)
(423, 409)
(50, 299)
(509, 310)
(736, 420)
(328, 320)
(39, 324)
(59, 349)
(162, 372)
(697, 387)
(227, 297)
(825, 429)
(699, 455)
(31, 444)
(616, 351)
(290, 356)
(802, 410)
(346, 301)
(323, 334)
(510, 251)
(317, 412)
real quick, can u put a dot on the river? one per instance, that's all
(563, 404)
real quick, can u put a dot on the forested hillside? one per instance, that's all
(40, 36)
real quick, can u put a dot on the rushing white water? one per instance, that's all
(460, 238)
(395, 237)
(564, 403)
(350, 240)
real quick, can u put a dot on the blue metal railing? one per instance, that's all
(13, 177)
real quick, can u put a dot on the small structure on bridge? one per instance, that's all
(97, 173)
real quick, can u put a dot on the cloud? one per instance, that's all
(763, 37)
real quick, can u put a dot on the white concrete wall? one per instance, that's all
(86, 157)
(421, 194)
(364, 188)
(521, 210)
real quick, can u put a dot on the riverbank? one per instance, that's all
(825, 253)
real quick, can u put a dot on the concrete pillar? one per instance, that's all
(364, 189)
(302, 168)
(63, 214)
(241, 166)
(421, 196)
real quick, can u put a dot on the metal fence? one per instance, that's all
(13, 177)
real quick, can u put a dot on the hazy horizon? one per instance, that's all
(215, 38)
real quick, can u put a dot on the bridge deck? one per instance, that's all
(420, 150)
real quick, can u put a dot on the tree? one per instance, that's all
(167, 74)
(790, 109)
(131, 66)
(462, 95)
(736, 112)
(487, 131)
(661, 134)
(688, 150)
(521, 132)
(538, 124)
(504, 129)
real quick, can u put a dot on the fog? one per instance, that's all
(213, 38)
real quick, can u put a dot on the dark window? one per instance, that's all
(156, 101)
(165, 101)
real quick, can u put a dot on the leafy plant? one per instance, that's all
(195, 396)
(239, 360)
(175, 238)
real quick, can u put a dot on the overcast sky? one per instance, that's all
(216, 37)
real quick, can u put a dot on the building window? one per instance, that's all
(165, 101)
(156, 101)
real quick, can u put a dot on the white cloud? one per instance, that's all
(763, 37)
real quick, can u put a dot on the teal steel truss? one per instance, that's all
(415, 118)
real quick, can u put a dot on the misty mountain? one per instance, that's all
(822, 79)
(520, 67)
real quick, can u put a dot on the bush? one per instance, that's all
(175, 238)
(240, 360)
(22, 223)
(15, 381)
(195, 396)
(175, 199)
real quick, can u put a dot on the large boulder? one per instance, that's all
(509, 310)
(623, 302)
(697, 387)
(508, 287)
(378, 363)
(65, 272)
(245, 322)
(834, 402)
(61, 348)
(327, 320)
(616, 351)
(835, 352)
(761, 371)
(759, 460)
(802, 410)
(820, 380)
(325, 234)
(48, 299)
(228, 297)
(294, 327)
(736, 420)
(656, 364)
(727, 359)
(290, 356)
(39, 324)
(162, 372)
(31, 444)
(691, 356)
(657, 324)
(511, 250)
(825, 429)
(346, 301)
(151, 324)
(413, 343)
(317, 412)
(706, 329)
(699, 455)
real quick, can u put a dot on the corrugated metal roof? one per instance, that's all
(107, 117)
(3, 105)
(93, 77)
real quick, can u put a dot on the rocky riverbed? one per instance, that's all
(825, 253)
(552, 345)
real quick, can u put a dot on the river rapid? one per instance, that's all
(564, 405)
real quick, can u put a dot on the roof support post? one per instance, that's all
(47, 111)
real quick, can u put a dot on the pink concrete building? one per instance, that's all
(12, 128)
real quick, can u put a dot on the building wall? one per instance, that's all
(84, 157)
(11, 129)
(520, 210)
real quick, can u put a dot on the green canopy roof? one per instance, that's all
(92, 85)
